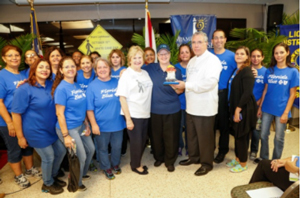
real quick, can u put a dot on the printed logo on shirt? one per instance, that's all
(224, 64)
(108, 93)
(281, 80)
(16, 82)
(83, 86)
(115, 76)
(78, 94)
(260, 79)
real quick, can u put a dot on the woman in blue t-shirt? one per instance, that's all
(54, 55)
(184, 56)
(103, 110)
(116, 59)
(72, 125)
(86, 74)
(9, 78)
(281, 81)
(33, 112)
(257, 57)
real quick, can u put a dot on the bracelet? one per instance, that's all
(65, 135)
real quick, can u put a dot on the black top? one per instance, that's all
(242, 96)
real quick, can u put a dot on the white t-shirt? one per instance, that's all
(201, 87)
(136, 87)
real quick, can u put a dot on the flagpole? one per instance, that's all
(31, 3)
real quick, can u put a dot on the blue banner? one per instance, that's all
(189, 24)
(293, 33)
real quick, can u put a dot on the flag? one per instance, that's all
(149, 33)
(36, 44)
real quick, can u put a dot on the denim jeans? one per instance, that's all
(115, 139)
(84, 148)
(278, 139)
(183, 124)
(52, 157)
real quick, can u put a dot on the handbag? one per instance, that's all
(74, 170)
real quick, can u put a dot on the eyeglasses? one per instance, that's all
(11, 55)
(30, 55)
(68, 67)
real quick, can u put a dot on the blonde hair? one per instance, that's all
(132, 52)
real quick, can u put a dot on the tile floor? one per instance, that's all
(158, 183)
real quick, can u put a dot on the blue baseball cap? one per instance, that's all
(163, 46)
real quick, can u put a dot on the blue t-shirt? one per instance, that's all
(228, 67)
(102, 99)
(26, 72)
(37, 108)
(259, 84)
(82, 81)
(116, 74)
(182, 96)
(164, 98)
(73, 98)
(53, 76)
(8, 83)
(279, 81)
(229, 83)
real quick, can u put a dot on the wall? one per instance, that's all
(290, 6)
(253, 13)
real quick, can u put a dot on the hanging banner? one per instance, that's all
(101, 41)
(293, 33)
(189, 24)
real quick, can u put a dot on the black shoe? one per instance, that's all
(145, 172)
(82, 188)
(187, 162)
(145, 168)
(53, 189)
(59, 182)
(86, 177)
(60, 173)
(257, 160)
(171, 168)
(219, 158)
(202, 171)
(157, 163)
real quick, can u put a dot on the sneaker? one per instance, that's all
(22, 181)
(117, 170)
(92, 167)
(238, 168)
(61, 173)
(252, 156)
(33, 172)
(123, 154)
(86, 177)
(186, 153)
(109, 175)
(53, 189)
(232, 163)
(180, 151)
(82, 188)
(59, 182)
(257, 160)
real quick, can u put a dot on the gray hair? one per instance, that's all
(200, 33)
(103, 60)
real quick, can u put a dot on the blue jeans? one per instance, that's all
(52, 157)
(84, 148)
(278, 139)
(115, 139)
(183, 124)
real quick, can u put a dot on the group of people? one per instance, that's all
(89, 104)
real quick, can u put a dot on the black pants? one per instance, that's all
(241, 145)
(125, 140)
(263, 172)
(201, 137)
(138, 138)
(165, 135)
(222, 121)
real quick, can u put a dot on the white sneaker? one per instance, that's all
(33, 172)
(22, 181)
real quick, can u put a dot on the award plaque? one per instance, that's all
(171, 76)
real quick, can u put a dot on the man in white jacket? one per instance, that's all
(201, 89)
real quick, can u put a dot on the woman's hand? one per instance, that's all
(258, 112)
(87, 130)
(11, 129)
(21, 82)
(22, 142)
(129, 124)
(277, 163)
(284, 118)
(236, 117)
(95, 129)
(68, 141)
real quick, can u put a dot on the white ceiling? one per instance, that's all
(49, 2)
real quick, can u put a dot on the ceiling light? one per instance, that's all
(74, 24)
(46, 39)
(54, 43)
(67, 46)
(81, 36)
(4, 29)
(168, 21)
(16, 29)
